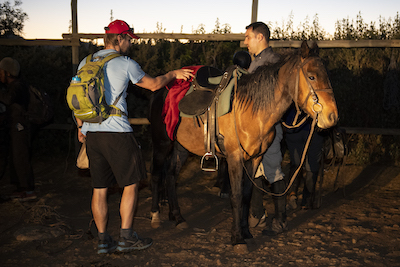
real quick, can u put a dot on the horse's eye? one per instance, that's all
(312, 78)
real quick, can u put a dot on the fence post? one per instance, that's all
(75, 49)
(254, 11)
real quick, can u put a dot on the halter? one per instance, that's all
(317, 106)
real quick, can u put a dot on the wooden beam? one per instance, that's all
(240, 37)
(138, 121)
(375, 131)
(37, 42)
(132, 121)
(145, 121)
(340, 43)
(336, 44)
(171, 36)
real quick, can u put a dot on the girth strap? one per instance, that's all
(209, 139)
(211, 129)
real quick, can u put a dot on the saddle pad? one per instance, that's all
(176, 91)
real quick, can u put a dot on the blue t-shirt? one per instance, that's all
(117, 74)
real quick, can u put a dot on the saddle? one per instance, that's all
(203, 101)
(204, 92)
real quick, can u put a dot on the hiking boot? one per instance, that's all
(224, 195)
(133, 243)
(306, 204)
(292, 202)
(256, 222)
(23, 196)
(106, 246)
(276, 227)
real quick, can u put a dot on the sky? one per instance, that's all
(49, 19)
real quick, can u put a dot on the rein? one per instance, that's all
(295, 124)
(314, 122)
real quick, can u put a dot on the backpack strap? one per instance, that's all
(104, 59)
(89, 58)
(114, 110)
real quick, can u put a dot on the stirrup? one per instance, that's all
(206, 157)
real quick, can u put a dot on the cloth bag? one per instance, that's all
(82, 161)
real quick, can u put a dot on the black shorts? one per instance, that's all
(114, 157)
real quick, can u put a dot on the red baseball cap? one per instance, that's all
(120, 27)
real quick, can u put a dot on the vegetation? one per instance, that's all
(365, 80)
(12, 18)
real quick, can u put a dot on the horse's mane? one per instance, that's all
(258, 88)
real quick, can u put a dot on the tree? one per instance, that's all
(346, 29)
(226, 28)
(12, 18)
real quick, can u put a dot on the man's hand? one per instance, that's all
(184, 74)
(81, 136)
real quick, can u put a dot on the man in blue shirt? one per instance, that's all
(113, 152)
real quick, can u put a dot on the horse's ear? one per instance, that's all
(315, 49)
(305, 50)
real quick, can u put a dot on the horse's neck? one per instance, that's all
(283, 94)
(278, 107)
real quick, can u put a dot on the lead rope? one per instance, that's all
(314, 122)
(296, 124)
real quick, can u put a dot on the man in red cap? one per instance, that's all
(120, 27)
(113, 152)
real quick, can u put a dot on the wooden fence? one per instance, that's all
(74, 40)
(144, 121)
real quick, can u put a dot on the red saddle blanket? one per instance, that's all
(176, 91)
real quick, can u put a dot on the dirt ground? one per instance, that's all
(358, 225)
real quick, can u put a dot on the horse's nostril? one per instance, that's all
(333, 117)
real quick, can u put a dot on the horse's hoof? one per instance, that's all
(240, 249)
(155, 220)
(182, 225)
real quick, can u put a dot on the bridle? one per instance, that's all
(316, 107)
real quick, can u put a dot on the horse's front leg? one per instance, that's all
(249, 173)
(161, 152)
(235, 168)
(162, 147)
(179, 157)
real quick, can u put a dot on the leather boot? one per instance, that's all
(279, 223)
(292, 193)
(257, 212)
(309, 190)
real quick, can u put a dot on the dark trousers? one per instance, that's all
(21, 173)
(295, 143)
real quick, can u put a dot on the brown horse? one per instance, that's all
(259, 102)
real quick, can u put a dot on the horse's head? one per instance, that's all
(314, 93)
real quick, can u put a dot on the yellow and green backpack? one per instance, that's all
(85, 94)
